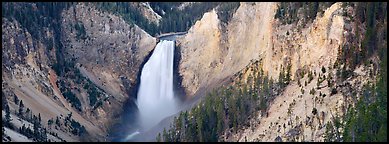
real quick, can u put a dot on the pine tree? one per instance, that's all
(36, 129)
(39, 118)
(50, 122)
(288, 74)
(21, 107)
(159, 137)
(281, 77)
(165, 135)
(7, 121)
(57, 122)
(329, 133)
(16, 99)
(4, 101)
(323, 69)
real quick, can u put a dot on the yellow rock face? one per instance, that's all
(210, 53)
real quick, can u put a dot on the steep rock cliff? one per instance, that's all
(105, 50)
(216, 53)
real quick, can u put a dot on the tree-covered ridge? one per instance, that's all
(37, 130)
(366, 119)
(173, 18)
(36, 16)
(228, 107)
(370, 33)
(128, 12)
(291, 12)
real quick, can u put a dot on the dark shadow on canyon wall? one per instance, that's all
(129, 115)
(179, 91)
(128, 119)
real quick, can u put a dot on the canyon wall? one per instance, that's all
(104, 48)
(212, 51)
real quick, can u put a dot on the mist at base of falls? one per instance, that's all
(156, 99)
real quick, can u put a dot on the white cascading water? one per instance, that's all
(155, 96)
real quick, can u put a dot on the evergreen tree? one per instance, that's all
(165, 135)
(39, 118)
(281, 77)
(323, 69)
(159, 137)
(50, 122)
(16, 99)
(329, 133)
(28, 111)
(288, 74)
(21, 107)
(57, 122)
(7, 121)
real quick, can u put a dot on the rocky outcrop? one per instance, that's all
(26, 75)
(200, 52)
(211, 53)
(107, 50)
(253, 34)
(223, 52)
(110, 54)
(111, 50)
(148, 12)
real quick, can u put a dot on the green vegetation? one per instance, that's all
(38, 133)
(21, 107)
(81, 33)
(333, 133)
(65, 89)
(323, 69)
(226, 10)
(312, 91)
(284, 79)
(229, 107)
(75, 127)
(173, 19)
(330, 81)
(26, 131)
(94, 93)
(310, 77)
(314, 111)
(5, 107)
(320, 80)
(35, 18)
(287, 12)
(128, 12)
(370, 16)
(367, 121)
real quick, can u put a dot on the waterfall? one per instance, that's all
(155, 96)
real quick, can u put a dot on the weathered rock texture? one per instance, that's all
(109, 54)
(211, 53)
